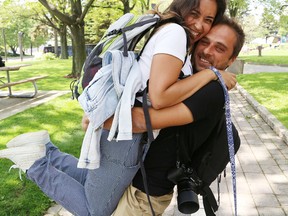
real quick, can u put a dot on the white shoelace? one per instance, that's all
(17, 167)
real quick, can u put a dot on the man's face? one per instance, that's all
(215, 49)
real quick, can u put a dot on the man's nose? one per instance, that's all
(208, 50)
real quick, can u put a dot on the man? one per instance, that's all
(201, 145)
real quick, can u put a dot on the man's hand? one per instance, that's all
(138, 120)
(85, 122)
(229, 79)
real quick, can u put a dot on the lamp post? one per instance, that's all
(4, 40)
(20, 37)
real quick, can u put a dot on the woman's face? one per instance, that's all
(200, 20)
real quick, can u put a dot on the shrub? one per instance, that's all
(48, 56)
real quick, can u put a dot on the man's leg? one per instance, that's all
(135, 202)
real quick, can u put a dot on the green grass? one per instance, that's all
(270, 56)
(270, 90)
(267, 60)
(55, 69)
(61, 117)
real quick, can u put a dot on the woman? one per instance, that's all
(97, 192)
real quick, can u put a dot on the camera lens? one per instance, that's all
(187, 199)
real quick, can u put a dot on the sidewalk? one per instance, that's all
(261, 163)
(12, 106)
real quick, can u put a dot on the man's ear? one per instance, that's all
(231, 61)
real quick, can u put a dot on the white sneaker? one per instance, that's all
(24, 157)
(31, 138)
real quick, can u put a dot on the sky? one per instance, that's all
(257, 11)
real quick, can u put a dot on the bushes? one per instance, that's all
(48, 56)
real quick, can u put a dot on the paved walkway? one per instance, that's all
(252, 68)
(12, 106)
(262, 171)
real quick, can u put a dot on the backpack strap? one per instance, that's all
(128, 28)
(147, 139)
(144, 142)
(209, 201)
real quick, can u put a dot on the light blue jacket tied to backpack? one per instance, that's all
(112, 91)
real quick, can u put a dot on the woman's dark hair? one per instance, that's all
(179, 9)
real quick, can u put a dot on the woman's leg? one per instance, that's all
(119, 163)
(66, 163)
(57, 176)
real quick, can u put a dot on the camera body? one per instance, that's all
(188, 184)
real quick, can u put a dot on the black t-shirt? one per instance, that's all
(161, 157)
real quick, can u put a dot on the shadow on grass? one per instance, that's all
(61, 117)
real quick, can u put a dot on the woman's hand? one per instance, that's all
(229, 79)
(85, 122)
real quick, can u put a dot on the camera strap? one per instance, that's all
(147, 139)
(229, 135)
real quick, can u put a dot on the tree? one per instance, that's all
(237, 8)
(75, 22)
(13, 20)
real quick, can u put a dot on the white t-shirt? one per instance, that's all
(170, 39)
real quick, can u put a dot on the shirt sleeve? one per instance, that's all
(171, 39)
(206, 101)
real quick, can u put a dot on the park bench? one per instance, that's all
(31, 79)
(9, 84)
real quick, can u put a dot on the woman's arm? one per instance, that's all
(166, 90)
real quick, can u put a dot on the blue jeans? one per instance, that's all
(88, 192)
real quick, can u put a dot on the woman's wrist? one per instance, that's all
(212, 74)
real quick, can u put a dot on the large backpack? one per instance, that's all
(124, 34)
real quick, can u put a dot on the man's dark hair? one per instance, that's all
(240, 35)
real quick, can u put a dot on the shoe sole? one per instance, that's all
(31, 138)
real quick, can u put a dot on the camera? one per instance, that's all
(187, 183)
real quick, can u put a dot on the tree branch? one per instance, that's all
(85, 11)
(52, 9)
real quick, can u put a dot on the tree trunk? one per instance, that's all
(13, 49)
(31, 49)
(79, 53)
(56, 43)
(63, 39)
(4, 40)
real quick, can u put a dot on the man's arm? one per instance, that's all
(176, 115)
